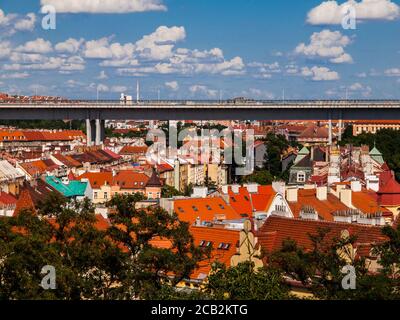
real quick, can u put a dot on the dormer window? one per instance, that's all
(301, 176)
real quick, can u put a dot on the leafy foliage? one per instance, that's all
(244, 283)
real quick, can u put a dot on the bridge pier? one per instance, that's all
(95, 132)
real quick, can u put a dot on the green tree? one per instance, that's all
(152, 272)
(62, 234)
(169, 192)
(242, 282)
(320, 269)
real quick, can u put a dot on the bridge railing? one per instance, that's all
(189, 103)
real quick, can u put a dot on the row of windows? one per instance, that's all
(105, 195)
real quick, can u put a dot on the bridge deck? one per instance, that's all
(204, 110)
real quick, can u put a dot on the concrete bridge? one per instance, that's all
(96, 112)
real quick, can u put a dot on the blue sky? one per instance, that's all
(201, 49)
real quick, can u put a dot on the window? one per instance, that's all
(105, 195)
(221, 206)
(301, 177)
(224, 246)
(195, 208)
(208, 208)
(95, 195)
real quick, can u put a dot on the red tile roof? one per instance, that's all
(97, 179)
(243, 202)
(207, 209)
(324, 208)
(7, 199)
(277, 229)
(130, 150)
(217, 237)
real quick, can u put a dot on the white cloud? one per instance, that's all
(69, 46)
(172, 85)
(5, 49)
(11, 23)
(360, 88)
(36, 46)
(102, 75)
(27, 23)
(393, 72)
(319, 73)
(102, 88)
(264, 70)
(16, 75)
(159, 44)
(119, 89)
(331, 12)
(258, 94)
(202, 91)
(326, 45)
(105, 6)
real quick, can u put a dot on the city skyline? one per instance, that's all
(201, 50)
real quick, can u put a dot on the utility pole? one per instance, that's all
(137, 91)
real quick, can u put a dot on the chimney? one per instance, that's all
(346, 197)
(200, 192)
(356, 186)
(373, 183)
(373, 219)
(252, 187)
(279, 187)
(308, 213)
(198, 222)
(345, 216)
(322, 193)
(292, 194)
(235, 188)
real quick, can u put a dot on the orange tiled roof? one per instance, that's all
(39, 166)
(366, 201)
(207, 209)
(216, 236)
(277, 229)
(308, 197)
(243, 202)
(97, 179)
(129, 150)
(130, 180)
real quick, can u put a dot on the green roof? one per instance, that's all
(304, 151)
(72, 189)
(375, 152)
(301, 155)
(376, 155)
